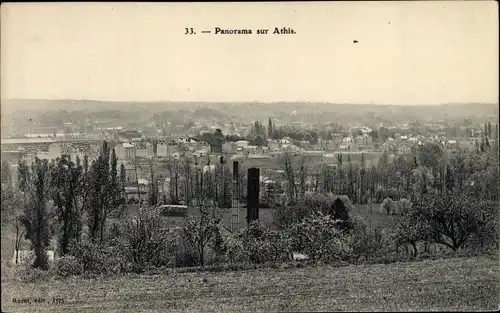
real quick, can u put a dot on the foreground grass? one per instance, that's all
(452, 284)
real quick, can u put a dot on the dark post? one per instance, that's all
(236, 189)
(253, 194)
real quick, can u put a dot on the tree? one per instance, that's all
(12, 202)
(409, 231)
(172, 166)
(270, 129)
(145, 238)
(422, 180)
(430, 156)
(451, 218)
(449, 179)
(200, 230)
(104, 192)
(6, 173)
(68, 181)
(153, 186)
(303, 173)
(286, 162)
(340, 212)
(35, 183)
(123, 180)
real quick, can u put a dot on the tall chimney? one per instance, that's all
(235, 207)
(253, 194)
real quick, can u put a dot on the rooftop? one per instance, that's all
(13, 141)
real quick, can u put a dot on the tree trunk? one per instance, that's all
(138, 188)
(415, 250)
(202, 256)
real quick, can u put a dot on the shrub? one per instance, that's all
(235, 250)
(34, 275)
(379, 193)
(68, 266)
(200, 230)
(367, 241)
(257, 244)
(404, 206)
(313, 236)
(392, 193)
(286, 215)
(145, 239)
(93, 257)
(387, 206)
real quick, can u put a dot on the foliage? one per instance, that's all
(365, 241)
(256, 244)
(68, 265)
(388, 206)
(284, 215)
(339, 211)
(35, 183)
(145, 239)
(452, 218)
(95, 258)
(67, 179)
(104, 191)
(313, 236)
(404, 206)
(410, 231)
(200, 230)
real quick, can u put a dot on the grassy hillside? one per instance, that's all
(452, 284)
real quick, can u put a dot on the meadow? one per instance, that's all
(459, 284)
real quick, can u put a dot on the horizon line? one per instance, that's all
(249, 101)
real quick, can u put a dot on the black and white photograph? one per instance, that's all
(320, 156)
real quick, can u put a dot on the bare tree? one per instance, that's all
(286, 162)
(200, 230)
(303, 172)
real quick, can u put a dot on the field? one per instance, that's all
(451, 284)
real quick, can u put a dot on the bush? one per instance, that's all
(68, 266)
(286, 215)
(403, 206)
(256, 244)
(314, 236)
(382, 193)
(235, 250)
(95, 258)
(34, 275)
(199, 231)
(388, 206)
(367, 241)
(145, 239)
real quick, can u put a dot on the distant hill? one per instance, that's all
(284, 111)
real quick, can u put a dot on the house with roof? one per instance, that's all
(273, 145)
(125, 151)
(144, 149)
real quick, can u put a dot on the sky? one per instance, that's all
(406, 52)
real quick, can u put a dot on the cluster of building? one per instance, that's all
(134, 149)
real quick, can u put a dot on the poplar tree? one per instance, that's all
(35, 183)
(67, 178)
